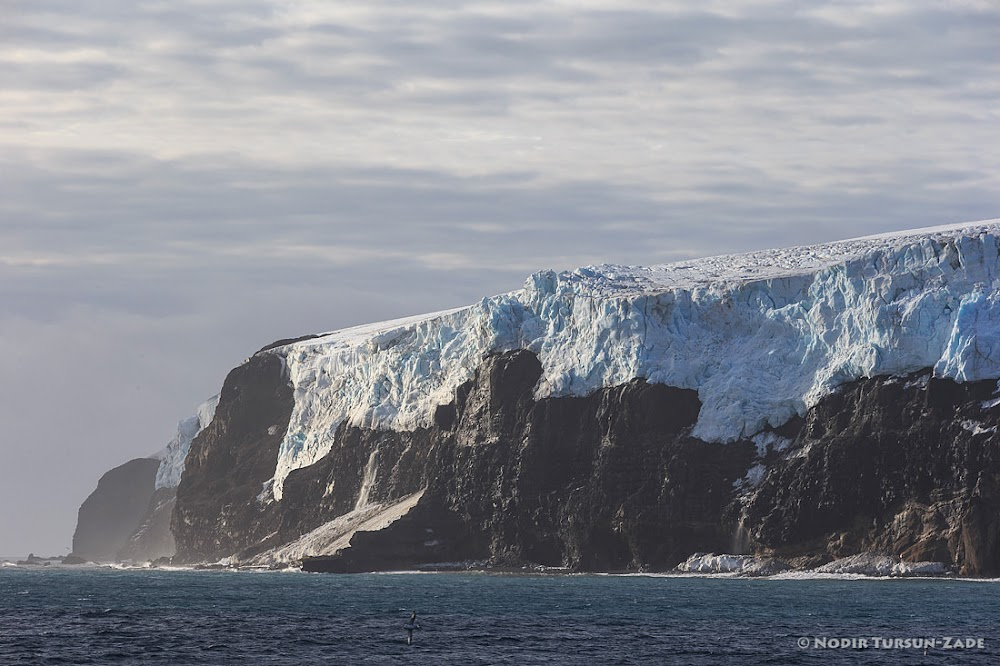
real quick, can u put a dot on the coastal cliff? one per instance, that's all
(903, 466)
(798, 405)
(614, 482)
(115, 510)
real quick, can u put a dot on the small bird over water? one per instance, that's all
(410, 626)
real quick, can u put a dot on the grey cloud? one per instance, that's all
(16, 32)
(921, 48)
(139, 206)
(51, 77)
(165, 227)
(475, 51)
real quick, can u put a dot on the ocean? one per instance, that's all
(55, 615)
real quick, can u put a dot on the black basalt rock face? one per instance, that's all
(115, 509)
(152, 539)
(217, 512)
(607, 482)
(612, 481)
(905, 467)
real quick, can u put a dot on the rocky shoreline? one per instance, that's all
(864, 565)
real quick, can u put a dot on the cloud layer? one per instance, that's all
(184, 181)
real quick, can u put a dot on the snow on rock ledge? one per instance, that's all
(869, 564)
(761, 336)
(864, 564)
(172, 456)
(712, 563)
(334, 536)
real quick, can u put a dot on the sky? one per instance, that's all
(184, 181)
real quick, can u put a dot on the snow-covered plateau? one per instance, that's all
(760, 336)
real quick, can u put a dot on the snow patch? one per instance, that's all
(712, 563)
(977, 428)
(920, 382)
(862, 565)
(334, 536)
(769, 440)
(753, 477)
(168, 475)
(265, 496)
(869, 564)
(919, 569)
(989, 404)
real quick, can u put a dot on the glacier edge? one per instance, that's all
(761, 336)
(172, 456)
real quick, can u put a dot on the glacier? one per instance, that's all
(760, 336)
(172, 456)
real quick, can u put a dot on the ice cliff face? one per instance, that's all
(761, 337)
(172, 456)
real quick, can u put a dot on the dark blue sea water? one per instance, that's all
(105, 616)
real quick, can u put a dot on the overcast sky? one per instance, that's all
(184, 181)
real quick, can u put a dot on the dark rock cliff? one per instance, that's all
(231, 461)
(903, 467)
(607, 482)
(116, 508)
(152, 539)
(611, 481)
